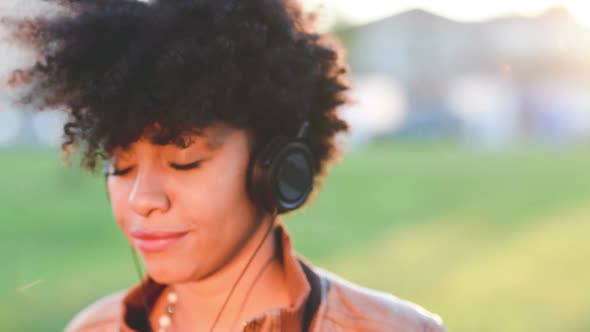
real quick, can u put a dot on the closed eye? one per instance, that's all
(121, 172)
(184, 167)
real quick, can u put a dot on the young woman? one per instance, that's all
(213, 117)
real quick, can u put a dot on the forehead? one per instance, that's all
(210, 138)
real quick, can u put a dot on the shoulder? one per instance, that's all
(101, 315)
(350, 306)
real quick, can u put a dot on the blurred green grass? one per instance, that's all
(490, 241)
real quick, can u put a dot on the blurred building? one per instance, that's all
(420, 76)
(491, 83)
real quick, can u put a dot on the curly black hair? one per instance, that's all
(120, 66)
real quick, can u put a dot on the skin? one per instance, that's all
(223, 227)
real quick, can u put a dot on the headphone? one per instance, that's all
(281, 175)
(280, 179)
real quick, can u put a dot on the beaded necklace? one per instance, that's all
(165, 320)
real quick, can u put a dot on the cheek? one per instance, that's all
(215, 202)
(211, 194)
(219, 187)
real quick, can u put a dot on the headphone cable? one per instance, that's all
(268, 231)
(139, 271)
(143, 290)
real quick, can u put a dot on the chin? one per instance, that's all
(167, 271)
(168, 275)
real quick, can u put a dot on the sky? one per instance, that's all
(362, 11)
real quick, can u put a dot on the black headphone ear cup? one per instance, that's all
(281, 176)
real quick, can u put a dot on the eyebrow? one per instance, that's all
(216, 137)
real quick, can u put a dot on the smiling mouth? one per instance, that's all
(156, 241)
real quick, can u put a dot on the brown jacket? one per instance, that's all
(342, 306)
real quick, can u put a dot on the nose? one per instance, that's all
(148, 195)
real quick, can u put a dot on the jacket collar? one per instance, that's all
(133, 317)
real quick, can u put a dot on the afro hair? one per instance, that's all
(117, 67)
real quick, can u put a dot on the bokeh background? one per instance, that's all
(464, 188)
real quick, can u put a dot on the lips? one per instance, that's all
(155, 241)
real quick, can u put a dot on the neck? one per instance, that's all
(200, 302)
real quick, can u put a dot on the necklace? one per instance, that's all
(165, 320)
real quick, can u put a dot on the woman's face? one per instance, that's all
(185, 210)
